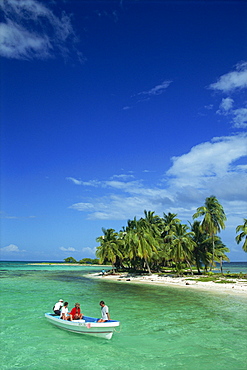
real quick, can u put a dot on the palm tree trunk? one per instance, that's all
(113, 269)
(148, 267)
(212, 262)
(221, 269)
(191, 271)
(198, 266)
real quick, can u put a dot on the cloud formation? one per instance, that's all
(69, 249)
(213, 167)
(232, 80)
(157, 90)
(30, 30)
(232, 83)
(11, 249)
(148, 94)
(208, 160)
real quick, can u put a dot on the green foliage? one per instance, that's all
(70, 260)
(243, 234)
(157, 244)
(206, 278)
(225, 281)
(213, 220)
(89, 261)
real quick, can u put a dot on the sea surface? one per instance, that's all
(161, 327)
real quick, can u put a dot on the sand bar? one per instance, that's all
(234, 286)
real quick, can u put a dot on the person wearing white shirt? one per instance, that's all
(57, 307)
(64, 312)
(105, 316)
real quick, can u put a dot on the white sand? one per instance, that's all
(189, 282)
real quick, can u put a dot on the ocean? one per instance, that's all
(161, 327)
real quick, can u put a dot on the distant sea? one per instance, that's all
(161, 327)
(232, 267)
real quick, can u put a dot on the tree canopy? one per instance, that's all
(153, 242)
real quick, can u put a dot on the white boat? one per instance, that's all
(88, 325)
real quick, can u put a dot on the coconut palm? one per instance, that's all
(168, 226)
(109, 247)
(214, 219)
(152, 219)
(243, 234)
(181, 246)
(141, 242)
(220, 250)
(169, 220)
(202, 247)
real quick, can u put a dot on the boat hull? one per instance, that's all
(88, 325)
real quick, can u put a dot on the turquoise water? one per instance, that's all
(161, 327)
(233, 267)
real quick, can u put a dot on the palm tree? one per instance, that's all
(239, 237)
(169, 222)
(109, 247)
(181, 246)
(201, 251)
(220, 250)
(214, 218)
(154, 221)
(168, 227)
(141, 241)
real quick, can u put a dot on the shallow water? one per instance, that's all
(161, 327)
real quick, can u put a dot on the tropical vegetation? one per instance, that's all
(243, 234)
(85, 261)
(154, 243)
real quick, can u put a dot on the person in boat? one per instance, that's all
(105, 316)
(64, 312)
(57, 307)
(75, 313)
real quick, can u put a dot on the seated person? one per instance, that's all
(57, 307)
(104, 312)
(64, 313)
(75, 313)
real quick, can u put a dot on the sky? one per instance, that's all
(110, 108)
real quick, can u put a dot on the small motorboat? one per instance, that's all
(88, 325)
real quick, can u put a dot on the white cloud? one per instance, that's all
(232, 80)
(93, 183)
(208, 168)
(11, 249)
(157, 90)
(89, 251)
(210, 159)
(31, 30)
(82, 206)
(225, 105)
(69, 249)
(75, 181)
(148, 94)
(240, 117)
(123, 177)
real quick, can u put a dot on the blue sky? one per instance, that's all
(110, 108)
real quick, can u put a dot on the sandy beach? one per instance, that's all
(234, 286)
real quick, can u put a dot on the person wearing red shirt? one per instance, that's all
(75, 313)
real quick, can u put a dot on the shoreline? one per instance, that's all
(239, 286)
(64, 264)
(236, 286)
